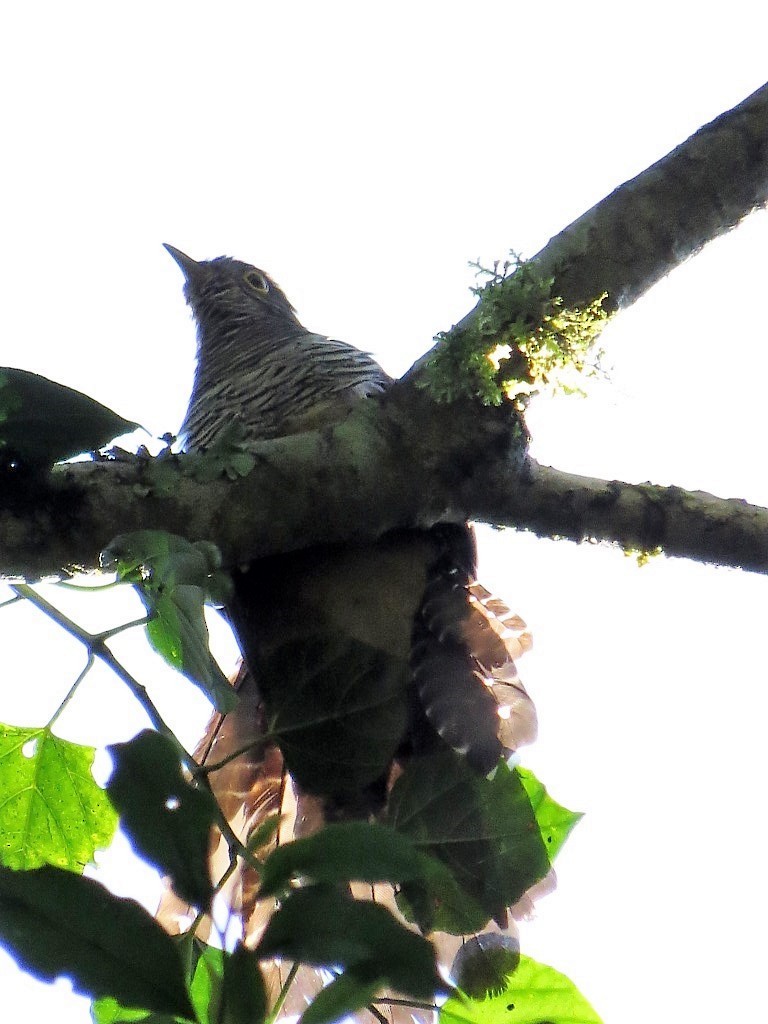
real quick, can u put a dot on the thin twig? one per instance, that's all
(24, 590)
(208, 769)
(88, 588)
(377, 1014)
(72, 690)
(107, 634)
(96, 645)
(279, 1002)
(392, 1001)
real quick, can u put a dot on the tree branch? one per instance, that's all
(653, 223)
(643, 517)
(401, 462)
(405, 461)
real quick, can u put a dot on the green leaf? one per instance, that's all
(229, 456)
(57, 923)
(482, 829)
(264, 833)
(344, 713)
(167, 819)
(366, 852)
(323, 926)
(175, 578)
(109, 1011)
(244, 997)
(51, 810)
(439, 903)
(555, 821)
(355, 851)
(534, 993)
(42, 422)
(207, 968)
(207, 980)
(342, 997)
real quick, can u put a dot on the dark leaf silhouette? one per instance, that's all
(483, 829)
(167, 819)
(323, 926)
(57, 923)
(342, 717)
(42, 422)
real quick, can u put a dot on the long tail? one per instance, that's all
(464, 653)
(464, 649)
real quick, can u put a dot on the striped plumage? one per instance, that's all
(256, 361)
(407, 608)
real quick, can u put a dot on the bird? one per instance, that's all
(395, 637)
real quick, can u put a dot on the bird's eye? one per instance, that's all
(256, 280)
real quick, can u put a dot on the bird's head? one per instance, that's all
(224, 288)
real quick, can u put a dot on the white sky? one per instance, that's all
(363, 155)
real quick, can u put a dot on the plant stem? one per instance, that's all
(283, 993)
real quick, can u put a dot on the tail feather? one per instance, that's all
(463, 659)
(463, 652)
(248, 787)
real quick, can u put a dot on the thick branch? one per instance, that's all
(409, 462)
(643, 517)
(651, 224)
(392, 463)
(404, 462)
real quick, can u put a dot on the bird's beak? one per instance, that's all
(189, 266)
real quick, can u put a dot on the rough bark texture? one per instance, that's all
(642, 517)
(413, 463)
(368, 476)
(651, 224)
(401, 462)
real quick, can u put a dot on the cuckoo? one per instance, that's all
(403, 618)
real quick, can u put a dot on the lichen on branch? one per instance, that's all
(521, 341)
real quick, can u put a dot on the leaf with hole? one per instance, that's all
(167, 819)
(533, 993)
(555, 821)
(51, 809)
